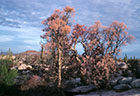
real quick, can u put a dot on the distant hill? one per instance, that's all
(30, 52)
(3, 53)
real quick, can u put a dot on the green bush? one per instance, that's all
(7, 75)
(6, 62)
(134, 66)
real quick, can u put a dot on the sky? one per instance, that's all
(20, 20)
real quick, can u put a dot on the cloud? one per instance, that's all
(6, 38)
(24, 32)
(25, 38)
(134, 47)
(32, 42)
(23, 48)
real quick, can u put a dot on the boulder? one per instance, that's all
(122, 65)
(22, 79)
(82, 89)
(72, 83)
(77, 80)
(115, 80)
(130, 74)
(26, 72)
(24, 67)
(136, 83)
(125, 80)
(29, 67)
(122, 87)
(13, 57)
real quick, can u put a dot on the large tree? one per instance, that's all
(57, 29)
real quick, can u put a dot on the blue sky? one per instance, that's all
(20, 20)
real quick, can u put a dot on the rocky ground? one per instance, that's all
(125, 87)
(131, 92)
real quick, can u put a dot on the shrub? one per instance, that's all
(6, 62)
(34, 82)
(134, 66)
(7, 75)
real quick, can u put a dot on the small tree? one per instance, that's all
(125, 58)
(9, 54)
(57, 31)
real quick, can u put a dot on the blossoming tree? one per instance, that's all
(58, 27)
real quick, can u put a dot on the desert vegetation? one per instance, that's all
(58, 68)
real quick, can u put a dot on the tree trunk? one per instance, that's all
(41, 55)
(60, 66)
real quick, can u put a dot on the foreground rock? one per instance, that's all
(125, 80)
(131, 92)
(122, 87)
(115, 81)
(136, 83)
(122, 65)
(82, 89)
(69, 84)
